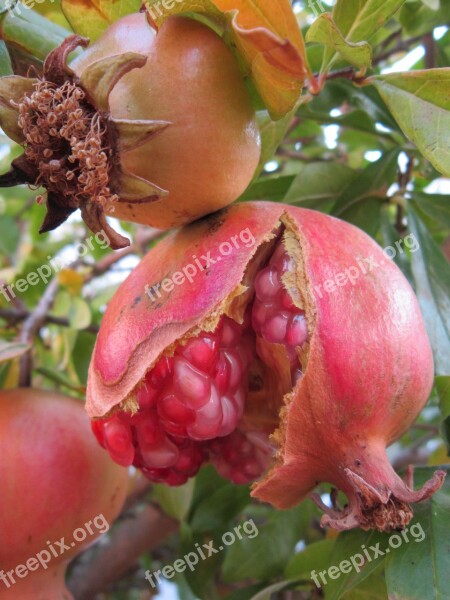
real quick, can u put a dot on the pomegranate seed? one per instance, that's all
(209, 419)
(222, 378)
(274, 330)
(117, 437)
(193, 386)
(97, 428)
(201, 352)
(231, 333)
(161, 456)
(171, 409)
(236, 369)
(297, 333)
(146, 396)
(267, 284)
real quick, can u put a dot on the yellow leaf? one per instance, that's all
(72, 280)
(91, 17)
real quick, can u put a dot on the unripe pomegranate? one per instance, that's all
(155, 128)
(277, 342)
(59, 491)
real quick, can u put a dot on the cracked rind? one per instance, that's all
(364, 379)
(135, 327)
(369, 370)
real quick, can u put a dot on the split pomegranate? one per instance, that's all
(59, 491)
(279, 343)
(155, 128)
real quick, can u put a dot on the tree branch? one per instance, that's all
(31, 327)
(16, 315)
(134, 536)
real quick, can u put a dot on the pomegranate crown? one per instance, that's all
(72, 144)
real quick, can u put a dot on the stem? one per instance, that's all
(16, 315)
(31, 327)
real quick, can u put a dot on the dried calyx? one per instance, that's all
(254, 366)
(72, 145)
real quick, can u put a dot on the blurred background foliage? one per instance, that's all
(344, 153)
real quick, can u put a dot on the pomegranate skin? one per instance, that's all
(368, 370)
(209, 152)
(55, 479)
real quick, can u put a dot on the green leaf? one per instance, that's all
(9, 235)
(372, 181)
(372, 588)
(389, 237)
(269, 188)
(175, 501)
(420, 568)
(32, 34)
(318, 184)
(443, 390)
(11, 350)
(272, 133)
(419, 100)
(5, 61)
(91, 17)
(268, 592)
(245, 594)
(417, 18)
(435, 206)
(265, 557)
(432, 278)
(358, 20)
(315, 557)
(325, 31)
(350, 548)
(79, 314)
(61, 379)
(218, 507)
(366, 215)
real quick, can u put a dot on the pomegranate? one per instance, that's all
(155, 128)
(59, 491)
(276, 342)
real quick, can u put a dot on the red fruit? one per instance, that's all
(335, 365)
(56, 482)
(155, 128)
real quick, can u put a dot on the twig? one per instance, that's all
(31, 327)
(404, 179)
(430, 51)
(17, 315)
(402, 46)
(132, 537)
(415, 454)
(143, 239)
